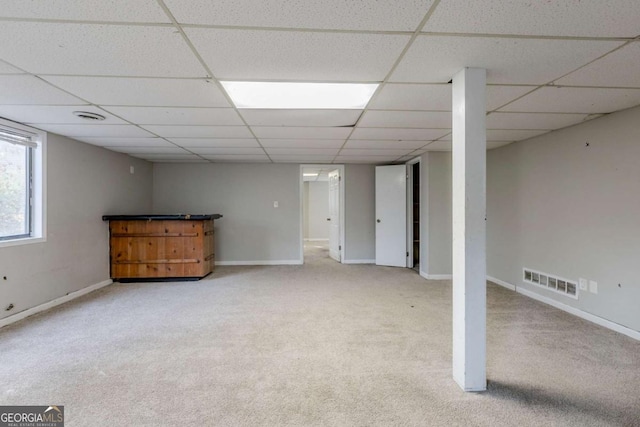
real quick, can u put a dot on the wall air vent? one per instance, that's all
(550, 282)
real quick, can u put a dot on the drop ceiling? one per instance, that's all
(153, 69)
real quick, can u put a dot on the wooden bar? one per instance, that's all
(161, 247)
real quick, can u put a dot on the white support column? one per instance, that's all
(469, 229)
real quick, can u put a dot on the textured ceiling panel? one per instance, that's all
(302, 151)
(406, 119)
(8, 69)
(610, 18)
(29, 90)
(344, 15)
(131, 142)
(172, 131)
(86, 10)
(229, 150)
(215, 142)
(287, 55)
(616, 69)
(302, 143)
(143, 91)
(385, 145)
(54, 114)
(110, 131)
(532, 120)
(300, 132)
(576, 100)
(436, 59)
(399, 134)
(301, 117)
(47, 48)
(178, 116)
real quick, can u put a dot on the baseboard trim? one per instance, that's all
(436, 276)
(53, 303)
(582, 314)
(274, 262)
(359, 261)
(502, 283)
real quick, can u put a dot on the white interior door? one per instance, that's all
(391, 215)
(334, 215)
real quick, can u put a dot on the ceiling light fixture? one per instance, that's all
(89, 116)
(309, 174)
(280, 95)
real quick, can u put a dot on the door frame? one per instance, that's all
(341, 209)
(410, 180)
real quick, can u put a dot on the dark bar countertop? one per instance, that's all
(177, 217)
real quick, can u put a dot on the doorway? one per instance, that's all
(322, 212)
(413, 214)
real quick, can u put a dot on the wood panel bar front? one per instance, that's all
(161, 247)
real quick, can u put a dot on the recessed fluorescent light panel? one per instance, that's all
(279, 95)
(309, 174)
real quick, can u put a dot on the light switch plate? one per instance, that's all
(583, 284)
(275, 204)
(593, 286)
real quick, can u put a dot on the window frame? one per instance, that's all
(36, 186)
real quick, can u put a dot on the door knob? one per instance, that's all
(377, 220)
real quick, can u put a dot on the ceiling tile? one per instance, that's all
(94, 130)
(29, 90)
(612, 70)
(365, 159)
(413, 97)
(178, 116)
(407, 119)
(439, 146)
(398, 134)
(331, 118)
(123, 142)
(302, 143)
(86, 10)
(209, 151)
(47, 48)
(302, 158)
(168, 157)
(385, 145)
(180, 160)
(221, 158)
(436, 59)
(497, 96)
(344, 15)
(148, 150)
(612, 18)
(507, 134)
(199, 131)
(302, 151)
(8, 69)
(54, 114)
(215, 142)
(373, 152)
(301, 56)
(576, 100)
(437, 97)
(143, 91)
(532, 120)
(279, 132)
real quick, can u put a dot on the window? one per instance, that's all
(21, 184)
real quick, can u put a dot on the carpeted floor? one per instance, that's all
(322, 344)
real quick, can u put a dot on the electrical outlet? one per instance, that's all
(583, 284)
(593, 286)
(275, 204)
(132, 170)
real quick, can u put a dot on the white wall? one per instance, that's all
(251, 229)
(83, 183)
(316, 210)
(558, 205)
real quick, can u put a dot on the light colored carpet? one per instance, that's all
(319, 344)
